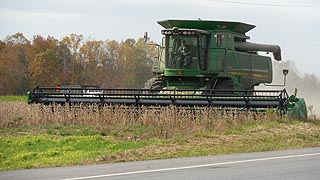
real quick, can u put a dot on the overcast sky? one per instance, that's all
(292, 24)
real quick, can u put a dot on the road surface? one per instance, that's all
(288, 164)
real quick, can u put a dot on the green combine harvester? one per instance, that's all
(200, 64)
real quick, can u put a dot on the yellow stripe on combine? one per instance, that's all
(248, 74)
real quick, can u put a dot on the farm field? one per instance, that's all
(33, 136)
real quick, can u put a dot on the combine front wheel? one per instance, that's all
(153, 83)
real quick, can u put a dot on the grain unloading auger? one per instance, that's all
(199, 64)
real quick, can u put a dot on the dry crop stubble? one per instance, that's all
(160, 121)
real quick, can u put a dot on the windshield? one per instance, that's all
(186, 52)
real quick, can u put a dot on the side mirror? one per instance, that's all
(285, 72)
(145, 37)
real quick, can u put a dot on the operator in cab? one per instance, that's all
(184, 53)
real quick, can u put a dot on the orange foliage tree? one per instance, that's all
(25, 64)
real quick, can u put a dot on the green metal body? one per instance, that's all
(220, 59)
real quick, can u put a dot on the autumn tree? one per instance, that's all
(47, 61)
(13, 63)
(112, 65)
(145, 54)
(136, 62)
(73, 62)
(92, 54)
(47, 65)
(128, 66)
(45, 69)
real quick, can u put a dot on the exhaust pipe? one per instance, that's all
(246, 46)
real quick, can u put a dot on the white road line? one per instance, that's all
(191, 167)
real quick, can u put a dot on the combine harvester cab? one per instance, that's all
(200, 64)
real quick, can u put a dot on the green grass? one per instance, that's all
(56, 145)
(44, 150)
(13, 98)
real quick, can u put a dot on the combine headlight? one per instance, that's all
(166, 32)
(169, 32)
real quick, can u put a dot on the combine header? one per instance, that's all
(200, 64)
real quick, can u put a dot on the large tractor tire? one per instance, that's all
(223, 84)
(154, 83)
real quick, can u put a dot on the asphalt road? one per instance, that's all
(288, 164)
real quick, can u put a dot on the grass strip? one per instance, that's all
(45, 147)
(34, 151)
(13, 98)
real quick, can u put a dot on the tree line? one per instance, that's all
(74, 60)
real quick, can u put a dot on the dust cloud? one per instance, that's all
(308, 85)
